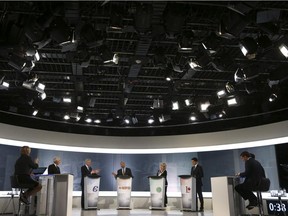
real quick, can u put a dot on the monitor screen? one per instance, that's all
(39, 170)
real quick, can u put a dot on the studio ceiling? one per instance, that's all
(69, 47)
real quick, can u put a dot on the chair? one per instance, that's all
(263, 186)
(21, 187)
(12, 194)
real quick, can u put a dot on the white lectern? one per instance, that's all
(124, 186)
(91, 191)
(225, 199)
(188, 192)
(157, 191)
(45, 197)
(63, 194)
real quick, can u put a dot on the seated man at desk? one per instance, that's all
(253, 174)
(54, 168)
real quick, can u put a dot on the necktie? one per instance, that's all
(123, 171)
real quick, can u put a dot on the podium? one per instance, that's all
(56, 195)
(45, 197)
(226, 201)
(188, 192)
(91, 191)
(63, 194)
(124, 186)
(157, 191)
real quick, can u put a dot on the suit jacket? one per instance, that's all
(198, 174)
(52, 169)
(164, 174)
(85, 172)
(253, 173)
(128, 172)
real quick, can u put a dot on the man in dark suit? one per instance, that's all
(86, 170)
(253, 174)
(124, 171)
(54, 168)
(197, 172)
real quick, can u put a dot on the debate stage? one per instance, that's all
(138, 212)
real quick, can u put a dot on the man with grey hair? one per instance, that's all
(54, 168)
(86, 170)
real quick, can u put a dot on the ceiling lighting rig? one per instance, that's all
(137, 64)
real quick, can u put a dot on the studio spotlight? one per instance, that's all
(283, 47)
(168, 78)
(273, 97)
(239, 75)
(3, 84)
(186, 42)
(175, 105)
(163, 118)
(35, 112)
(66, 117)
(232, 101)
(229, 87)
(127, 120)
(42, 95)
(221, 93)
(67, 100)
(88, 120)
(193, 64)
(249, 47)
(204, 106)
(188, 102)
(193, 117)
(40, 87)
(80, 109)
(97, 121)
(151, 120)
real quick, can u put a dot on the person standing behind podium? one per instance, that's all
(54, 168)
(124, 171)
(23, 170)
(86, 170)
(197, 172)
(163, 172)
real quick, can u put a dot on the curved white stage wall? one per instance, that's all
(270, 134)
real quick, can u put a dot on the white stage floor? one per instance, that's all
(137, 212)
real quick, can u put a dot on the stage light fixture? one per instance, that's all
(3, 84)
(229, 87)
(239, 75)
(67, 99)
(283, 47)
(232, 101)
(80, 109)
(151, 120)
(175, 105)
(35, 112)
(42, 95)
(204, 106)
(97, 121)
(168, 78)
(221, 93)
(186, 42)
(249, 47)
(193, 117)
(193, 64)
(188, 102)
(66, 117)
(88, 120)
(273, 97)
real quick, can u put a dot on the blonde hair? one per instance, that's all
(25, 150)
(164, 165)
